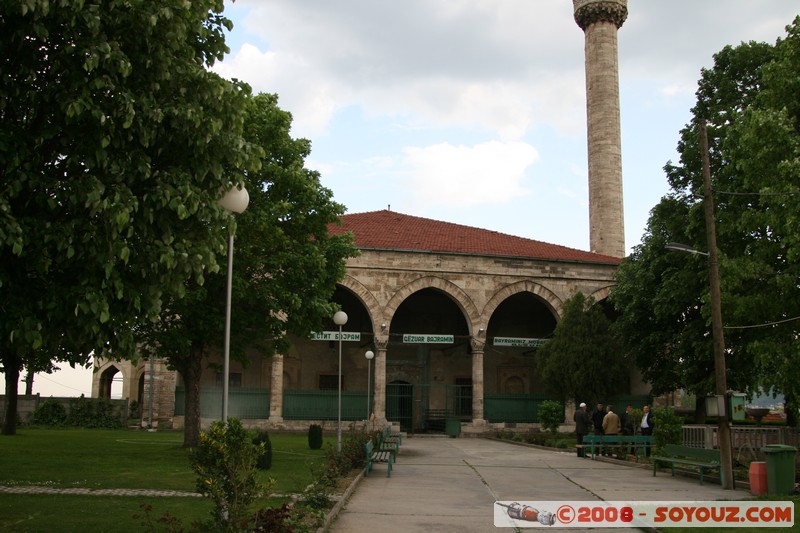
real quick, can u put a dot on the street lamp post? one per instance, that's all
(340, 319)
(235, 201)
(720, 373)
(369, 355)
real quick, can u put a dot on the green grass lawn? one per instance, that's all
(110, 459)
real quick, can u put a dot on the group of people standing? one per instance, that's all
(607, 422)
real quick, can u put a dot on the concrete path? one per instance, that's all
(445, 484)
(40, 489)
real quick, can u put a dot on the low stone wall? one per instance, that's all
(27, 404)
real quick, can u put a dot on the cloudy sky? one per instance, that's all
(473, 111)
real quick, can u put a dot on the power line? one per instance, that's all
(44, 376)
(734, 193)
(764, 325)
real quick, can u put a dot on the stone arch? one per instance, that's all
(601, 294)
(104, 378)
(142, 373)
(553, 302)
(463, 301)
(514, 385)
(364, 295)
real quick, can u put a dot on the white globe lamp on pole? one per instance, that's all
(235, 201)
(369, 355)
(340, 319)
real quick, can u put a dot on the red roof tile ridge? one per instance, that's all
(424, 234)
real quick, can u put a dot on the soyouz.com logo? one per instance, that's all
(554, 514)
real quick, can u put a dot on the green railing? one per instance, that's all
(243, 403)
(253, 403)
(324, 405)
(514, 408)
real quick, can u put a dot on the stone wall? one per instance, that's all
(27, 405)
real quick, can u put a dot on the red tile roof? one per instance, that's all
(390, 230)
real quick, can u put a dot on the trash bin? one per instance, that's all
(780, 468)
(758, 478)
(453, 427)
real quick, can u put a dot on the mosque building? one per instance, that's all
(452, 315)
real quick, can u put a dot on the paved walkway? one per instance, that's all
(444, 485)
(41, 489)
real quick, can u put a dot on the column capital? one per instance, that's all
(588, 12)
(477, 345)
(381, 342)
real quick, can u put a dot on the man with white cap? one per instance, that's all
(582, 422)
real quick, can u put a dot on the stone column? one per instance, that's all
(276, 389)
(600, 20)
(379, 402)
(477, 382)
(162, 393)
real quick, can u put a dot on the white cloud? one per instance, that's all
(678, 90)
(364, 78)
(467, 176)
(468, 63)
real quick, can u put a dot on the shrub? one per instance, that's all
(550, 414)
(315, 437)
(133, 409)
(636, 415)
(225, 463)
(264, 460)
(352, 454)
(92, 413)
(50, 413)
(274, 520)
(667, 429)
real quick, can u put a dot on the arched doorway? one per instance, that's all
(110, 384)
(429, 347)
(518, 326)
(400, 404)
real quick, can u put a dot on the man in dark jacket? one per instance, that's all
(582, 424)
(628, 428)
(597, 419)
(627, 421)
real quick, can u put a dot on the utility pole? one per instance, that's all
(720, 372)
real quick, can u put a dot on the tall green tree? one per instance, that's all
(286, 265)
(750, 101)
(583, 360)
(764, 239)
(115, 143)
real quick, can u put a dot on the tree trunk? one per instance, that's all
(12, 366)
(191, 369)
(29, 383)
(700, 410)
(790, 408)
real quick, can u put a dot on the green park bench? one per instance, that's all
(377, 455)
(596, 443)
(699, 458)
(389, 441)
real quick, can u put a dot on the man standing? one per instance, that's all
(647, 421)
(626, 419)
(597, 419)
(628, 428)
(610, 425)
(581, 418)
(647, 426)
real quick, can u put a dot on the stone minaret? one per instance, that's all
(600, 20)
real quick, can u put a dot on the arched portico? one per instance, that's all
(455, 330)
